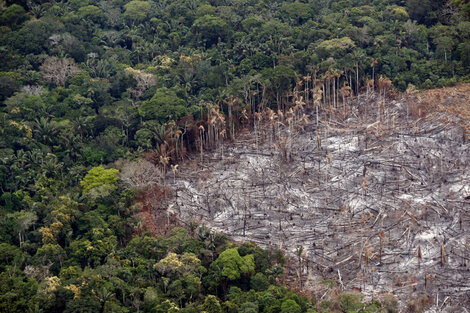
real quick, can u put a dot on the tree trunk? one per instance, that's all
(373, 78)
(357, 80)
(334, 92)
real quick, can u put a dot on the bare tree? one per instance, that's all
(58, 70)
(30, 90)
(140, 174)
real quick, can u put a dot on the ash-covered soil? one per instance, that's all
(378, 198)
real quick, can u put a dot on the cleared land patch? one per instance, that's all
(374, 196)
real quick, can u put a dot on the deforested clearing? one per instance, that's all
(374, 194)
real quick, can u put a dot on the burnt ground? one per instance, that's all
(375, 197)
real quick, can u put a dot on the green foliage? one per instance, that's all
(205, 9)
(297, 11)
(166, 306)
(290, 306)
(261, 256)
(398, 13)
(423, 11)
(351, 302)
(136, 10)
(335, 47)
(13, 15)
(211, 29)
(232, 265)
(164, 105)
(50, 255)
(212, 305)
(90, 12)
(98, 177)
(248, 307)
(8, 85)
(92, 253)
(251, 22)
(93, 155)
(10, 256)
(145, 246)
(16, 291)
(259, 282)
(173, 264)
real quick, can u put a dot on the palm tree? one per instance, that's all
(373, 63)
(51, 165)
(103, 295)
(37, 10)
(358, 57)
(81, 124)
(22, 159)
(158, 132)
(336, 74)
(72, 142)
(45, 130)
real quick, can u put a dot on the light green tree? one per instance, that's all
(136, 10)
(98, 177)
(90, 12)
(231, 264)
(212, 305)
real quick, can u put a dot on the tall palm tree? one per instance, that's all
(373, 63)
(336, 74)
(358, 56)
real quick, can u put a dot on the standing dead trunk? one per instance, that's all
(201, 136)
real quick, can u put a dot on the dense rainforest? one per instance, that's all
(87, 84)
